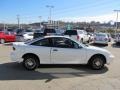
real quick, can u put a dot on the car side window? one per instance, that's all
(64, 43)
(44, 42)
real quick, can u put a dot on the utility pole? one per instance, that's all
(116, 26)
(4, 26)
(18, 20)
(50, 12)
(40, 17)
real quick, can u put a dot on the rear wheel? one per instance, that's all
(88, 40)
(2, 41)
(30, 62)
(81, 40)
(97, 62)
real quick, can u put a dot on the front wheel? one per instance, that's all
(97, 63)
(30, 62)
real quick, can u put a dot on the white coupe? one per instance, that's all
(59, 50)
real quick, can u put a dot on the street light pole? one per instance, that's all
(40, 17)
(50, 12)
(116, 26)
(18, 20)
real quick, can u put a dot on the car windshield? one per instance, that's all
(30, 34)
(49, 31)
(71, 32)
(28, 31)
(80, 32)
(101, 35)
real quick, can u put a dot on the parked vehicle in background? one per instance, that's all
(117, 38)
(91, 36)
(80, 35)
(12, 31)
(23, 35)
(109, 37)
(59, 50)
(28, 36)
(48, 32)
(7, 37)
(59, 31)
(38, 33)
(101, 38)
(44, 32)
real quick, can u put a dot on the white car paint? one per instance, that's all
(49, 55)
(28, 36)
(81, 35)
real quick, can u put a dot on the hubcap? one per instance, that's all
(30, 63)
(97, 63)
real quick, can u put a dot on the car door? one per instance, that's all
(66, 51)
(42, 49)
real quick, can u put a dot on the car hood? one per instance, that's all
(19, 43)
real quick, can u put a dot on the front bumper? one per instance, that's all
(15, 57)
(110, 59)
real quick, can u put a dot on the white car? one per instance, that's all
(117, 38)
(28, 36)
(59, 50)
(101, 38)
(80, 35)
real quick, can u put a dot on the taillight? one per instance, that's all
(13, 48)
(78, 37)
(106, 39)
(94, 38)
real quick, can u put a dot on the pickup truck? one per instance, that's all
(80, 35)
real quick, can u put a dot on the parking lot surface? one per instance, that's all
(63, 77)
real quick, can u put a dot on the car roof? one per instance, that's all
(52, 36)
(55, 36)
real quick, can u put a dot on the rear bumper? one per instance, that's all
(101, 42)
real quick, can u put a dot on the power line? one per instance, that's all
(93, 5)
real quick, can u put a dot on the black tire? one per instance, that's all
(81, 40)
(89, 40)
(30, 62)
(2, 41)
(97, 62)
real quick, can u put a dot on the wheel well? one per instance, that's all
(31, 54)
(100, 55)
